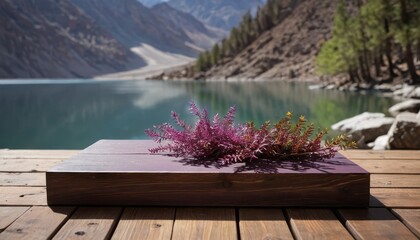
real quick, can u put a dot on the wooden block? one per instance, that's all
(145, 223)
(322, 223)
(374, 223)
(263, 223)
(10, 214)
(204, 223)
(129, 178)
(411, 219)
(90, 223)
(23, 196)
(22, 179)
(37, 223)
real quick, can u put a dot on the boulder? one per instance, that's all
(404, 91)
(348, 124)
(365, 127)
(371, 129)
(405, 132)
(412, 105)
(381, 143)
(415, 93)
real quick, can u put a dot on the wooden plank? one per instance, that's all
(22, 179)
(138, 179)
(382, 154)
(37, 223)
(374, 223)
(411, 219)
(204, 223)
(23, 196)
(394, 181)
(316, 224)
(27, 165)
(257, 223)
(90, 223)
(390, 166)
(10, 214)
(43, 154)
(145, 223)
(395, 197)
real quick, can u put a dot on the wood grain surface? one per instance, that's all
(145, 223)
(374, 223)
(396, 195)
(205, 223)
(37, 223)
(115, 172)
(263, 223)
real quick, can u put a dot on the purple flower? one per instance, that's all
(222, 141)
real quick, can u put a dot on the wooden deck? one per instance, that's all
(394, 211)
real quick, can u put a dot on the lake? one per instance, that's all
(72, 114)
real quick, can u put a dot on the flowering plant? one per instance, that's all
(221, 140)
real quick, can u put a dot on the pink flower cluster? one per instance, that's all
(221, 140)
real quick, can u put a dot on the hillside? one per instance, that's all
(200, 35)
(287, 50)
(86, 38)
(56, 39)
(131, 23)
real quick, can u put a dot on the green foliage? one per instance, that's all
(359, 39)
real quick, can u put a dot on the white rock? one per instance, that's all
(405, 132)
(372, 128)
(412, 105)
(415, 93)
(366, 126)
(381, 143)
(404, 91)
(348, 124)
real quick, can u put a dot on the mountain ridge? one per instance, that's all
(87, 38)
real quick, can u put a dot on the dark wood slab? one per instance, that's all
(121, 172)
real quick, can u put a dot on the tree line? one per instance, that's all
(240, 37)
(383, 33)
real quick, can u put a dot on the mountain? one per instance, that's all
(224, 14)
(131, 23)
(86, 38)
(200, 35)
(49, 38)
(285, 51)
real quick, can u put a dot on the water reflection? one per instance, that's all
(76, 115)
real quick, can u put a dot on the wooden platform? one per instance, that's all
(123, 172)
(394, 211)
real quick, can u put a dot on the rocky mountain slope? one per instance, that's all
(56, 39)
(220, 14)
(132, 23)
(285, 51)
(200, 35)
(85, 38)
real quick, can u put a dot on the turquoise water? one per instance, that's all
(74, 114)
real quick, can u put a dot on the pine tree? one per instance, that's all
(215, 54)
